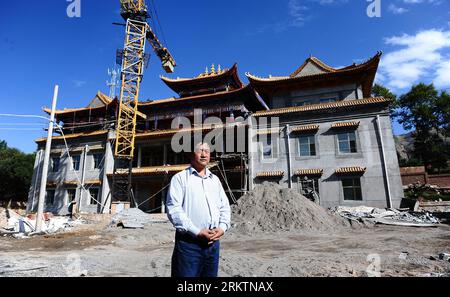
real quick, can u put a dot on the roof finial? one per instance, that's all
(206, 70)
(213, 70)
(219, 69)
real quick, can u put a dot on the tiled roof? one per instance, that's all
(75, 135)
(317, 62)
(246, 88)
(345, 124)
(354, 169)
(200, 77)
(267, 131)
(304, 128)
(161, 170)
(321, 106)
(88, 182)
(308, 172)
(105, 99)
(270, 174)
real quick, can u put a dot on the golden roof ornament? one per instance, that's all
(213, 70)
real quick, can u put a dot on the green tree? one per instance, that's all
(443, 106)
(381, 91)
(16, 170)
(421, 109)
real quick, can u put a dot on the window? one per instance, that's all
(98, 160)
(347, 142)
(94, 197)
(267, 148)
(309, 183)
(327, 100)
(76, 162)
(71, 194)
(302, 103)
(352, 189)
(55, 164)
(50, 197)
(152, 156)
(307, 145)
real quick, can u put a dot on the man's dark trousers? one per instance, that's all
(193, 258)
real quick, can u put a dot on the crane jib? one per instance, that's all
(132, 61)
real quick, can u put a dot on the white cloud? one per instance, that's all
(442, 79)
(325, 2)
(79, 83)
(296, 18)
(296, 12)
(396, 10)
(417, 58)
(437, 2)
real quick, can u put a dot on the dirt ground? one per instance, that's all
(100, 250)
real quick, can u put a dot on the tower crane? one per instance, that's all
(138, 31)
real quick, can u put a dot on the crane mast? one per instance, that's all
(137, 32)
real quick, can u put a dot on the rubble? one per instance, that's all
(24, 226)
(388, 216)
(444, 256)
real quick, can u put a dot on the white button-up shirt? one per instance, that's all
(194, 202)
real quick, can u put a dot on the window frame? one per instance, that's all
(74, 194)
(76, 168)
(299, 144)
(91, 201)
(96, 166)
(274, 144)
(356, 146)
(54, 168)
(353, 187)
(53, 197)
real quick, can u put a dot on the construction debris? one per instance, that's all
(23, 226)
(387, 216)
(269, 207)
(444, 256)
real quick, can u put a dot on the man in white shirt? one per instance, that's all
(199, 209)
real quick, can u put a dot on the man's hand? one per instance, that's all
(218, 233)
(206, 235)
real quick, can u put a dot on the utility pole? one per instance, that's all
(48, 144)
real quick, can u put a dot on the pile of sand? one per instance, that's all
(269, 207)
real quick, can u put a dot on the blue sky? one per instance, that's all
(41, 46)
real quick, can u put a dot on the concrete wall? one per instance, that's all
(314, 96)
(85, 148)
(328, 158)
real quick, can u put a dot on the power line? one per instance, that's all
(23, 116)
(21, 129)
(160, 27)
(21, 124)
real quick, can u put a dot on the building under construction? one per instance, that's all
(331, 133)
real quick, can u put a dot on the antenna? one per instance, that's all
(113, 83)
